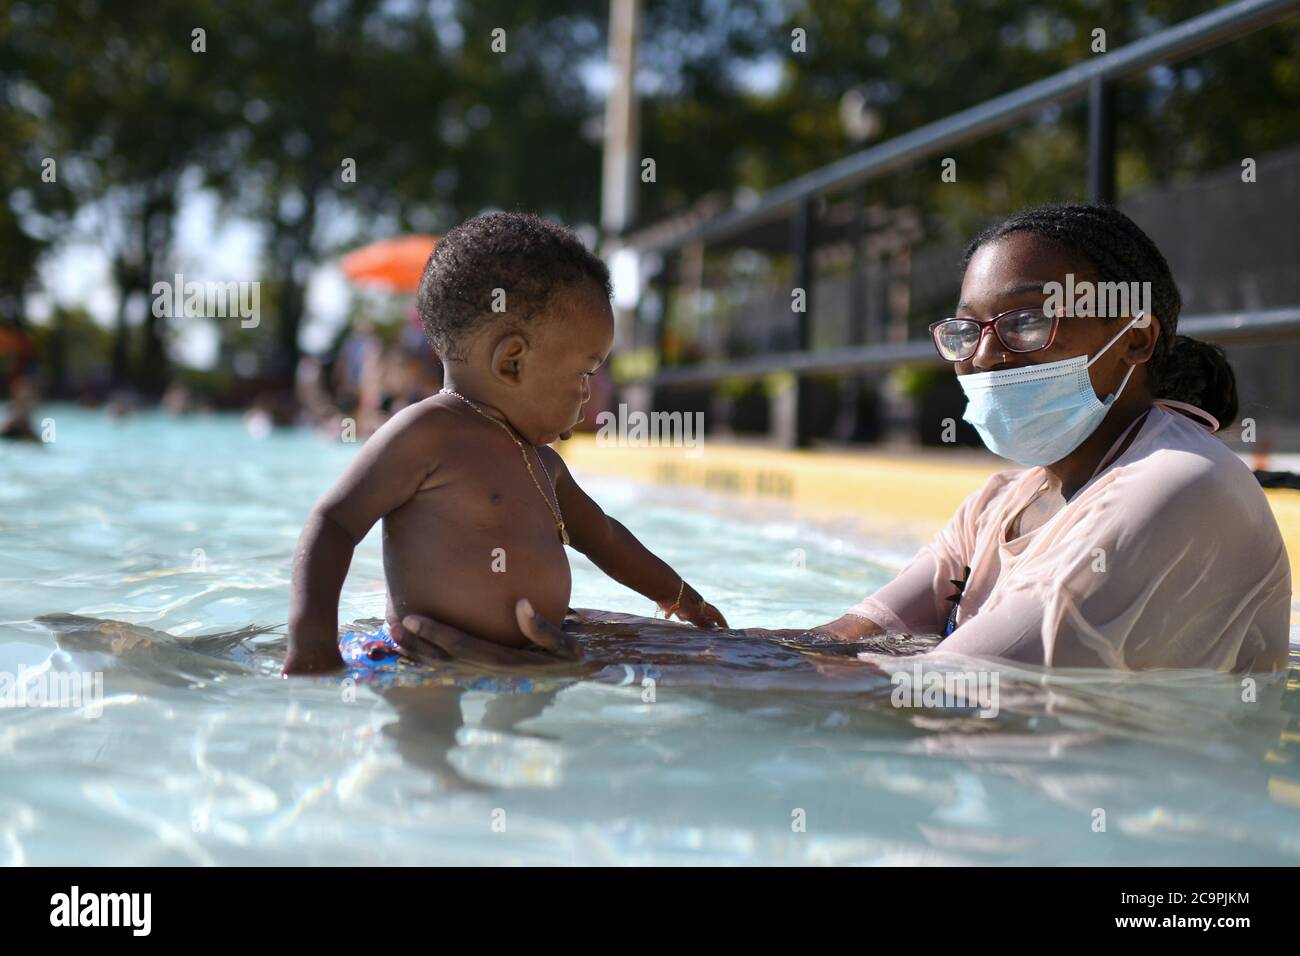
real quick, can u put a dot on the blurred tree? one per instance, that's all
(117, 87)
(25, 147)
(364, 119)
(920, 60)
(75, 352)
(328, 96)
(332, 122)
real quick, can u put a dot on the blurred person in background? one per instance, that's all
(17, 424)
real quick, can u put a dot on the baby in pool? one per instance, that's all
(476, 507)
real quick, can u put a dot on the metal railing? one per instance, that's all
(1221, 327)
(1092, 79)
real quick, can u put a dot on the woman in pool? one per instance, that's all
(1131, 539)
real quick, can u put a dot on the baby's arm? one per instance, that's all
(618, 553)
(389, 469)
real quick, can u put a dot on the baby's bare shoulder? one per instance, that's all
(550, 456)
(414, 443)
(554, 462)
(431, 423)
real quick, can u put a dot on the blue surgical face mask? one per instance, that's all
(1038, 414)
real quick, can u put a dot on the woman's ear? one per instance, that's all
(1141, 343)
(508, 358)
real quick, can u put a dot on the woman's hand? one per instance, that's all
(425, 640)
(850, 627)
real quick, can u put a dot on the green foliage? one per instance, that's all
(921, 60)
(914, 381)
(440, 126)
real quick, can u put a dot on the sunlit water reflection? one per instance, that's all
(668, 746)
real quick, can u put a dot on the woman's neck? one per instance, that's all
(1075, 469)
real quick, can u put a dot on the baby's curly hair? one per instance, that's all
(524, 256)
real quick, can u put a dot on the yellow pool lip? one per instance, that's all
(920, 489)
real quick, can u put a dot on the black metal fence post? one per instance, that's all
(1101, 141)
(803, 239)
(1093, 78)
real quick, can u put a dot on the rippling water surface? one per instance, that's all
(672, 747)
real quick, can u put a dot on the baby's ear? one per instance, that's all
(508, 358)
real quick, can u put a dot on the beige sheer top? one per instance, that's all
(1168, 557)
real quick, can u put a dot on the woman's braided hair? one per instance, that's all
(1181, 368)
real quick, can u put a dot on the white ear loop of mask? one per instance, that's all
(1132, 322)
(1137, 318)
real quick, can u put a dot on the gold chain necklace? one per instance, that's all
(553, 508)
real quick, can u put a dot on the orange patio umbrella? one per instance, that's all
(394, 265)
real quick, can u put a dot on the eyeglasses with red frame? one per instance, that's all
(1018, 330)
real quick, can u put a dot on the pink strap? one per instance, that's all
(1105, 459)
(1212, 426)
(1213, 423)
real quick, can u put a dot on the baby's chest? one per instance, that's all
(496, 501)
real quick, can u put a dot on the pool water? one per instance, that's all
(672, 747)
